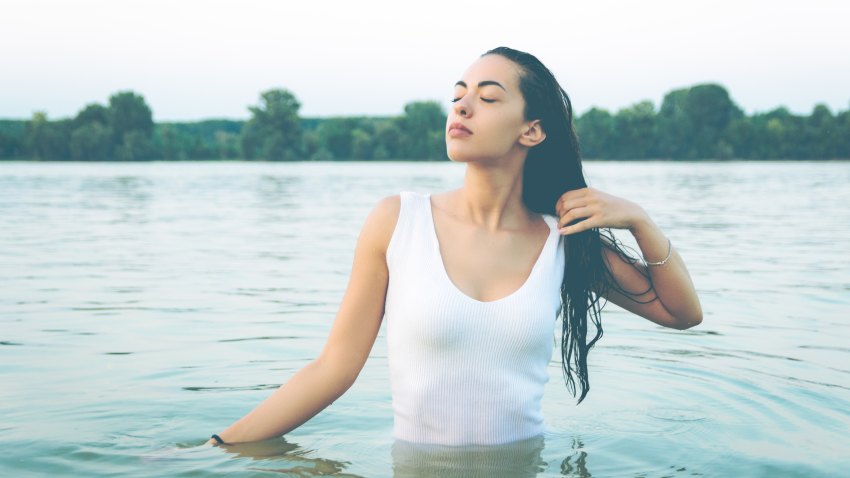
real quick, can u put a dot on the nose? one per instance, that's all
(462, 109)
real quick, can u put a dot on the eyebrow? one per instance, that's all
(482, 83)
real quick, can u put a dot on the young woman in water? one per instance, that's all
(471, 281)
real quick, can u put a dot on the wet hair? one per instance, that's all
(552, 168)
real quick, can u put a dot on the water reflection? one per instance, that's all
(514, 460)
(280, 456)
(125, 199)
(521, 459)
(575, 465)
(277, 191)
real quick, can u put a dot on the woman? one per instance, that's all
(471, 281)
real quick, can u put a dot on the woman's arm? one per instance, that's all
(352, 335)
(677, 305)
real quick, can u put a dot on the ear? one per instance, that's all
(532, 135)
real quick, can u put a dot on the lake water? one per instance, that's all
(145, 306)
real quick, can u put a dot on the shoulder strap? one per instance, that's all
(403, 227)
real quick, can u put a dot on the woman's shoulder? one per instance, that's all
(381, 222)
(388, 207)
(385, 212)
(386, 216)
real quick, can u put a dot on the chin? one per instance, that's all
(460, 158)
(460, 154)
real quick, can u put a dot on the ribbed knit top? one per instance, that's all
(463, 371)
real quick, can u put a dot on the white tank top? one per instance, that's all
(462, 371)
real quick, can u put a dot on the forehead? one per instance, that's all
(493, 68)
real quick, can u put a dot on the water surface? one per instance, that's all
(145, 306)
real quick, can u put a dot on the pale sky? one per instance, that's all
(198, 59)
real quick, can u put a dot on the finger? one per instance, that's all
(574, 214)
(573, 203)
(571, 194)
(577, 227)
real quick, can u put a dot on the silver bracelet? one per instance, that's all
(664, 261)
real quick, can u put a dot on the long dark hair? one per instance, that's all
(552, 168)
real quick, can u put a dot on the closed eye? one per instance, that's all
(486, 100)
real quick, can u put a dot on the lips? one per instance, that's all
(458, 128)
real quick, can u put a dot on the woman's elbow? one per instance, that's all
(687, 321)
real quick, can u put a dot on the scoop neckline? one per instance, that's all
(442, 266)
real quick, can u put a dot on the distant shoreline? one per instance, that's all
(701, 121)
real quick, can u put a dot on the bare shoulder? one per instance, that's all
(380, 224)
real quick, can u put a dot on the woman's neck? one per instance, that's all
(492, 197)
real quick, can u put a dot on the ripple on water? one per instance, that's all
(245, 339)
(657, 420)
(267, 386)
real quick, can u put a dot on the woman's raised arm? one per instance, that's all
(352, 335)
(669, 299)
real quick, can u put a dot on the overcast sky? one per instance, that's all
(196, 59)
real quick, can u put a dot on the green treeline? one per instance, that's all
(700, 122)
(124, 130)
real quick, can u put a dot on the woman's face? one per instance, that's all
(488, 102)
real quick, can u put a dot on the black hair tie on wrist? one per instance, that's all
(218, 439)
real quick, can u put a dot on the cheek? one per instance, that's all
(495, 136)
(502, 133)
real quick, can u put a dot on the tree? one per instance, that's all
(274, 130)
(820, 134)
(634, 128)
(743, 139)
(362, 144)
(92, 138)
(335, 136)
(388, 140)
(782, 133)
(132, 125)
(92, 113)
(12, 138)
(595, 130)
(692, 121)
(711, 110)
(47, 140)
(423, 126)
(841, 136)
(227, 144)
(129, 112)
(168, 142)
(136, 146)
(91, 142)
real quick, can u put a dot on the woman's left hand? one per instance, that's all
(594, 209)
